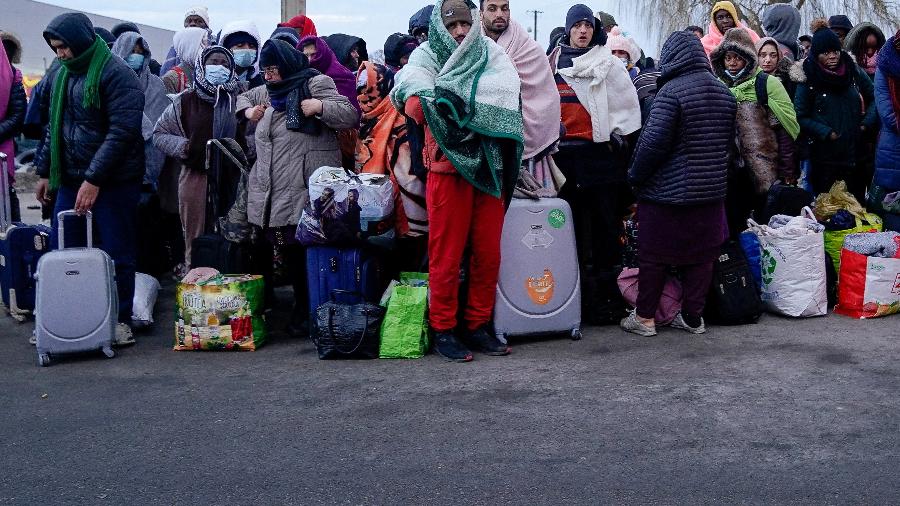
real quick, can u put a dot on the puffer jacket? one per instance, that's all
(285, 159)
(887, 161)
(11, 124)
(682, 155)
(104, 145)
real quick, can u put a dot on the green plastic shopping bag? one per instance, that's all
(404, 331)
(834, 239)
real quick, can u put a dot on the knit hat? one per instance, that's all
(824, 41)
(236, 38)
(105, 34)
(606, 19)
(840, 21)
(617, 41)
(121, 28)
(453, 11)
(198, 11)
(577, 14)
(286, 34)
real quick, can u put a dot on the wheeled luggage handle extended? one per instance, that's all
(61, 220)
(6, 210)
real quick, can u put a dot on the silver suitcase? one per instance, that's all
(539, 290)
(77, 303)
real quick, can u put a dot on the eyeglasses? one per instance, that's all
(271, 71)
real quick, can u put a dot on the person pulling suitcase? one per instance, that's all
(96, 169)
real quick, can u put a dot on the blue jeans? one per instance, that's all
(115, 222)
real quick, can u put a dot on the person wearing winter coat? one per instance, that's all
(625, 49)
(188, 44)
(97, 169)
(863, 42)
(383, 148)
(773, 61)
(835, 106)
(350, 51)
(473, 165)
(679, 173)
(765, 132)
(781, 23)
(134, 49)
(841, 25)
(600, 110)
(12, 116)
(887, 99)
(290, 146)
(242, 39)
(723, 17)
(203, 112)
(323, 59)
(397, 49)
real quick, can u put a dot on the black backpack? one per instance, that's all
(785, 199)
(733, 298)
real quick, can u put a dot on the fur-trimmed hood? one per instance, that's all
(737, 40)
(15, 56)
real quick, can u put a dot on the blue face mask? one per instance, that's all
(244, 57)
(217, 75)
(135, 61)
(737, 75)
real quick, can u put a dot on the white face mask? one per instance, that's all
(626, 61)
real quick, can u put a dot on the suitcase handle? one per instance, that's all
(61, 220)
(6, 210)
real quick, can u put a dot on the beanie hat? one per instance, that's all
(236, 38)
(105, 34)
(198, 11)
(617, 41)
(577, 14)
(121, 28)
(286, 34)
(840, 21)
(453, 11)
(606, 19)
(824, 41)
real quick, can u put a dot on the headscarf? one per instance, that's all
(304, 25)
(713, 36)
(382, 123)
(188, 43)
(287, 94)
(327, 63)
(222, 97)
(90, 59)
(7, 79)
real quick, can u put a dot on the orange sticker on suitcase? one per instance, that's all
(540, 289)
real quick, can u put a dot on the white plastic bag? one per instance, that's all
(146, 289)
(793, 266)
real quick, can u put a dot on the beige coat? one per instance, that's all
(286, 160)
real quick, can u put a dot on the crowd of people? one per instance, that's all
(453, 111)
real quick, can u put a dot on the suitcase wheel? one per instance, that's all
(577, 335)
(109, 352)
(43, 360)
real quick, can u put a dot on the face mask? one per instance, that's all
(217, 75)
(736, 75)
(626, 61)
(135, 61)
(244, 57)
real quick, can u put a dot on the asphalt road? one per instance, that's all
(781, 412)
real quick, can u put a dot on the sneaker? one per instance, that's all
(679, 323)
(447, 346)
(32, 340)
(488, 344)
(124, 335)
(631, 324)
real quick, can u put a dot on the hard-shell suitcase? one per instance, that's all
(539, 290)
(348, 270)
(77, 302)
(21, 246)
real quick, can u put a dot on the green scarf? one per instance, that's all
(92, 63)
(779, 101)
(470, 95)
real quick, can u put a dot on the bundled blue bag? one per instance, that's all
(753, 252)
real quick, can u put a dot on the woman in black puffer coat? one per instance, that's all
(679, 174)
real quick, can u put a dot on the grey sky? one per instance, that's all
(373, 20)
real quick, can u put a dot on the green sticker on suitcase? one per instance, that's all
(557, 218)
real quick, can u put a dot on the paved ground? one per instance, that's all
(781, 412)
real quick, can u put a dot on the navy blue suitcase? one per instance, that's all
(352, 270)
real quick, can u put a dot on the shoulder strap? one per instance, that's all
(762, 91)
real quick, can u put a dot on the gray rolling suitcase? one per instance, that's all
(539, 290)
(77, 304)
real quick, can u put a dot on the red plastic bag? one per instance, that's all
(869, 286)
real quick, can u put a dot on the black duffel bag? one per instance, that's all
(347, 331)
